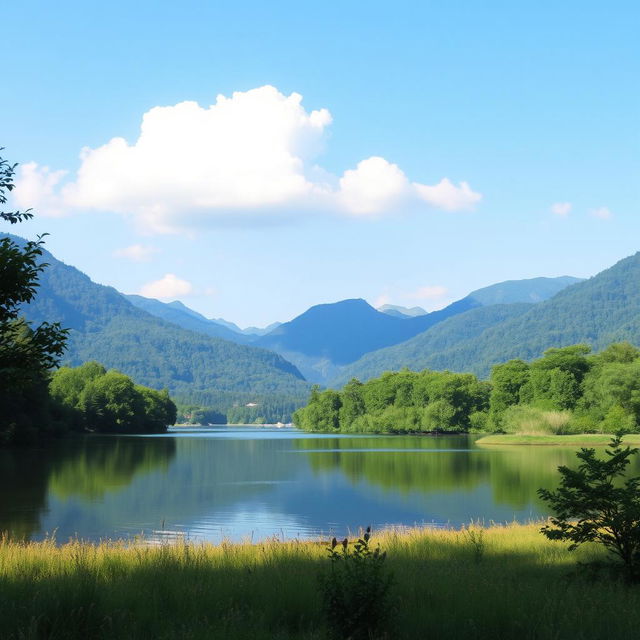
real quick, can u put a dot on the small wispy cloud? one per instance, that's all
(602, 213)
(428, 292)
(169, 286)
(136, 253)
(561, 208)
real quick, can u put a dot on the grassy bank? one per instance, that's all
(575, 440)
(508, 582)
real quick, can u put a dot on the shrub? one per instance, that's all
(597, 503)
(356, 590)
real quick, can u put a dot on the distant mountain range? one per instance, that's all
(213, 363)
(179, 314)
(322, 340)
(249, 331)
(598, 311)
(401, 312)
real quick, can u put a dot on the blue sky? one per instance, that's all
(435, 148)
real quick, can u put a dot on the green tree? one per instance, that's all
(597, 503)
(352, 403)
(507, 380)
(556, 378)
(111, 403)
(159, 409)
(26, 353)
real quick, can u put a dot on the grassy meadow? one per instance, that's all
(573, 440)
(500, 582)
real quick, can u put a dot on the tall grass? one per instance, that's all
(503, 582)
(528, 420)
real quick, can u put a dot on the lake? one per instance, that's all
(253, 483)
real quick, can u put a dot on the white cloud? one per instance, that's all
(374, 186)
(604, 213)
(429, 292)
(36, 188)
(136, 253)
(561, 208)
(170, 286)
(250, 156)
(445, 195)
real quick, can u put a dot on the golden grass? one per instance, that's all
(506, 582)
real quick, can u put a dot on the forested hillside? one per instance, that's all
(195, 368)
(177, 313)
(598, 311)
(427, 349)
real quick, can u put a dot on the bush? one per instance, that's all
(356, 590)
(596, 503)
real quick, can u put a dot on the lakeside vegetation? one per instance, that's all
(574, 440)
(85, 399)
(446, 584)
(567, 391)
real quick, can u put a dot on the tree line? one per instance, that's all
(567, 390)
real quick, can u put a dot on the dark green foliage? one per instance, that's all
(433, 401)
(356, 590)
(27, 352)
(109, 401)
(597, 503)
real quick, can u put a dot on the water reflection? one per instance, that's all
(85, 468)
(248, 483)
(408, 464)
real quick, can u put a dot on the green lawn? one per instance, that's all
(502, 582)
(577, 440)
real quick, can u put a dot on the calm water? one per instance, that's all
(208, 484)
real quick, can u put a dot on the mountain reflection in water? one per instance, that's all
(210, 484)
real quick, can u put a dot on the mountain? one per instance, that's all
(178, 313)
(530, 290)
(401, 312)
(325, 338)
(196, 368)
(427, 349)
(597, 311)
(249, 331)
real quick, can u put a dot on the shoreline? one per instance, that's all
(580, 439)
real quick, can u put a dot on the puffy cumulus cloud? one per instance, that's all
(372, 187)
(136, 253)
(170, 286)
(250, 156)
(561, 208)
(603, 213)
